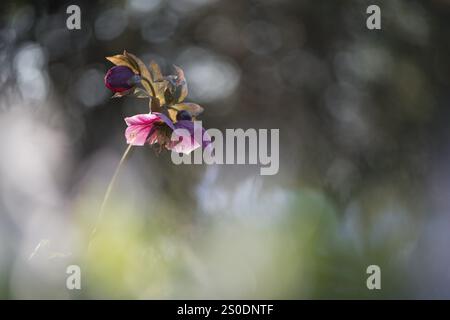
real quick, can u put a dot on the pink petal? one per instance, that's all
(139, 127)
(137, 135)
(185, 145)
(188, 144)
(140, 119)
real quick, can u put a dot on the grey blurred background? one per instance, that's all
(364, 151)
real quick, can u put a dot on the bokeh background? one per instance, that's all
(364, 151)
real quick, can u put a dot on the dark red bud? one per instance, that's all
(120, 78)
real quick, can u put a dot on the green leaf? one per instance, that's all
(168, 97)
(122, 60)
(157, 79)
(181, 90)
(155, 72)
(142, 70)
(140, 93)
(160, 87)
(172, 114)
(193, 108)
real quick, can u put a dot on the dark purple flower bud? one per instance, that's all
(183, 115)
(120, 78)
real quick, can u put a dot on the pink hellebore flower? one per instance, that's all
(156, 127)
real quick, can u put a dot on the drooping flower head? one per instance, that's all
(169, 116)
(152, 128)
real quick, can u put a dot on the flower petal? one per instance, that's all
(139, 127)
(142, 119)
(197, 137)
(137, 135)
(117, 79)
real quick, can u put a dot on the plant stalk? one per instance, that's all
(108, 193)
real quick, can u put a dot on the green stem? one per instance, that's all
(108, 193)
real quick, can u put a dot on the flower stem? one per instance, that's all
(108, 193)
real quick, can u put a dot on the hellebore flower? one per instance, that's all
(156, 127)
(120, 79)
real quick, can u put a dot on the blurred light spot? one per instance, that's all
(390, 226)
(244, 199)
(363, 62)
(140, 6)
(28, 63)
(110, 24)
(261, 37)
(210, 77)
(90, 89)
(347, 104)
(30, 164)
(159, 28)
(351, 228)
